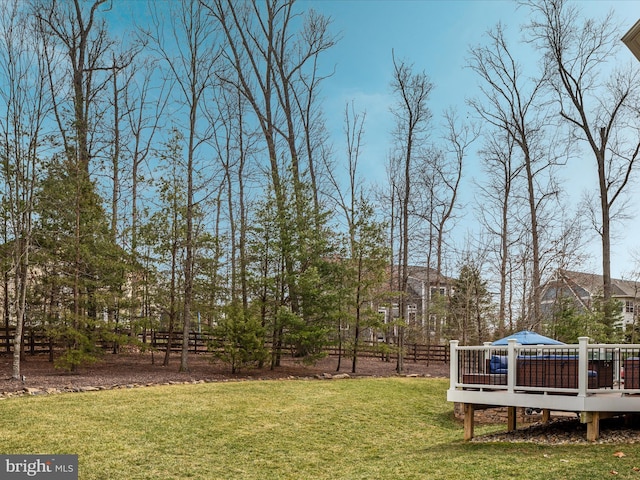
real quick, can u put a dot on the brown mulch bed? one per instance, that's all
(146, 368)
(569, 431)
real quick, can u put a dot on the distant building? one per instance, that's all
(583, 289)
(423, 286)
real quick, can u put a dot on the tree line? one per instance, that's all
(175, 171)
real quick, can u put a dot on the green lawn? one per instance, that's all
(397, 428)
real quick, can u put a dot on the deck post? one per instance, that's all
(511, 365)
(487, 355)
(593, 426)
(453, 364)
(583, 362)
(546, 415)
(511, 419)
(468, 421)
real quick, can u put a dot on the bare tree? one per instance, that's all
(194, 37)
(145, 103)
(367, 255)
(495, 213)
(597, 106)
(275, 69)
(438, 173)
(82, 37)
(514, 104)
(412, 117)
(24, 102)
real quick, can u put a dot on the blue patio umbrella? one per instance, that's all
(525, 337)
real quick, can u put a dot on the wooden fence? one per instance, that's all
(33, 342)
(36, 342)
(413, 352)
(198, 342)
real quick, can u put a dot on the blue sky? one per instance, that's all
(435, 36)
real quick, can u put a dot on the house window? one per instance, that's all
(628, 306)
(412, 309)
(435, 291)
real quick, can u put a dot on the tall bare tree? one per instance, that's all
(24, 103)
(190, 33)
(274, 67)
(367, 255)
(145, 103)
(496, 212)
(412, 117)
(438, 173)
(596, 102)
(81, 36)
(514, 103)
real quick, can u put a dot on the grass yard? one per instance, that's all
(395, 428)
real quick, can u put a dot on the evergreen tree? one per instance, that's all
(470, 307)
(239, 338)
(84, 264)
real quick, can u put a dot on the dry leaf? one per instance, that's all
(613, 472)
(636, 469)
(619, 454)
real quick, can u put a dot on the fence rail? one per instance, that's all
(37, 342)
(413, 352)
(33, 342)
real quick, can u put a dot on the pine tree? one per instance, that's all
(86, 267)
(470, 307)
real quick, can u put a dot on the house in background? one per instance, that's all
(585, 288)
(423, 286)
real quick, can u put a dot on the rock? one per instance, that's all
(340, 376)
(89, 389)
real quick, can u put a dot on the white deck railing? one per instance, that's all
(579, 369)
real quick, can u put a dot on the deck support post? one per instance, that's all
(546, 415)
(511, 419)
(593, 427)
(468, 421)
(592, 419)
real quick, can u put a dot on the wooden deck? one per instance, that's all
(594, 380)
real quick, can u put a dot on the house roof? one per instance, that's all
(424, 274)
(419, 275)
(593, 283)
(632, 39)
